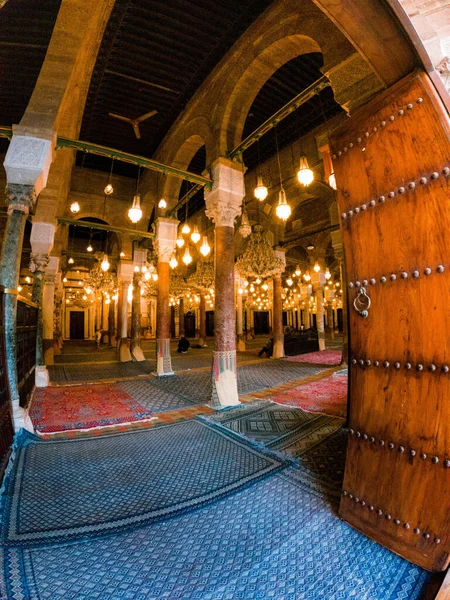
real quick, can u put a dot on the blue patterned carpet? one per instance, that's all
(276, 426)
(270, 541)
(155, 399)
(85, 487)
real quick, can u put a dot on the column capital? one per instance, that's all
(166, 236)
(20, 197)
(38, 262)
(29, 157)
(280, 253)
(224, 200)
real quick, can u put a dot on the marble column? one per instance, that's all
(125, 276)
(223, 205)
(277, 304)
(111, 337)
(336, 240)
(202, 320)
(239, 319)
(38, 264)
(330, 324)
(181, 317)
(19, 199)
(135, 346)
(166, 235)
(319, 317)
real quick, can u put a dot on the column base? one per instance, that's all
(225, 392)
(278, 349)
(137, 354)
(124, 351)
(321, 342)
(241, 344)
(41, 377)
(163, 358)
(21, 418)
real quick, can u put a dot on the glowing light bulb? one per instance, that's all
(205, 248)
(74, 207)
(265, 287)
(147, 276)
(162, 203)
(187, 258)
(260, 190)
(327, 274)
(298, 271)
(283, 209)
(245, 283)
(195, 235)
(70, 261)
(89, 248)
(65, 280)
(173, 261)
(317, 267)
(19, 289)
(185, 229)
(135, 212)
(155, 276)
(258, 280)
(105, 263)
(108, 189)
(240, 291)
(304, 174)
(122, 254)
(307, 276)
(180, 241)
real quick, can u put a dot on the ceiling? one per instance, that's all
(154, 56)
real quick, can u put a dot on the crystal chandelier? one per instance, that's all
(304, 174)
(195, 235)
(205, 248)
(203, 278)
(259, 259)
(245, 227)
(283, 209)
(260, 190)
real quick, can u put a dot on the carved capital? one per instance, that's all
(38, 262)
(280, 253)
(224, 201)
(20, 197)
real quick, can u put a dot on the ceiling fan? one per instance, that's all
(135, 122)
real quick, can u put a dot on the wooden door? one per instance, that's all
(261, 322)
(209, 323)
(76, 325)
(392, 168)
(189, 324)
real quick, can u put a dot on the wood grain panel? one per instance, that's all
(398, 462)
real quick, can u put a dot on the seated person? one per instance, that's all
(267, 348)
(183, 345)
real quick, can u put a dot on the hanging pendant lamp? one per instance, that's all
(304, 174)
(109, 187)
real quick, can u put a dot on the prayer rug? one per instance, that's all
(85, 487)
(98, 372)
(274, 540)
(276, 426)
(327, 395)
(325, 357)
(153, 398)
(83, 407)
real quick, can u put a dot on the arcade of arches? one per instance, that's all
(266, 180)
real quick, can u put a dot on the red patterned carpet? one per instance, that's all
(56, 409)
(326, 357)
(327, 395)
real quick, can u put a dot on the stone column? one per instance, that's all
(223, 205)
(124, 276)
(48, 310)
(202, 320)
(176, 310)
(111, 337)
(135, 347)
(166, 235)
(181, 311)
(19, 199)
(38, 264)
(277, 304)
(330, 324)
(336, 240)
(319, 315)
(239, 319)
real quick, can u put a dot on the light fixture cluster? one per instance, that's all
(256, 294)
